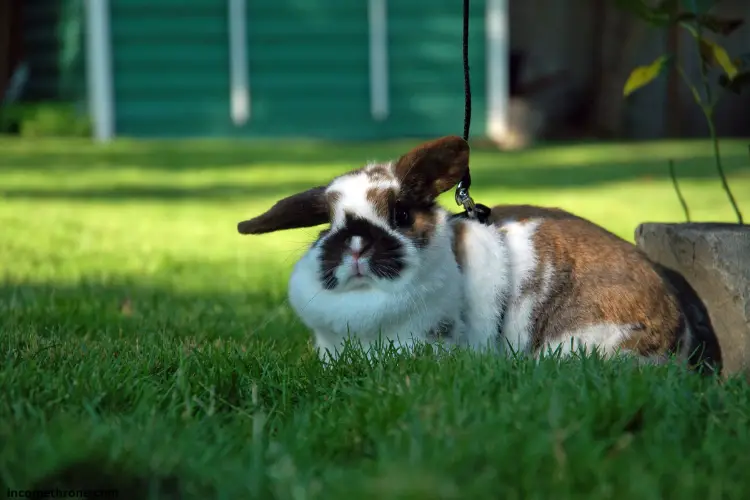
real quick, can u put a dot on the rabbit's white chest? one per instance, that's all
(426, 305)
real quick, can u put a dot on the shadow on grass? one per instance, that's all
(120, 308)
(194, 155)
(540, 167)
(486, 175)
(217, 192)
(209, 154)
(591, 175)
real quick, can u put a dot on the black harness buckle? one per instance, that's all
(476, 211)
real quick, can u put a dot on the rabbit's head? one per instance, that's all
(385, 226)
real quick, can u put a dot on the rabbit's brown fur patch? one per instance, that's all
(423, 227)
(523, 213)
(379, 172)
(381, 200)
(600, 278)
(424, 218)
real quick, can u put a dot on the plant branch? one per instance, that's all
(720, 168)
(677, 190)
(708, 111)
(693, 89)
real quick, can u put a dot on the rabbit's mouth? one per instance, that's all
(357, 282)
(358, 272)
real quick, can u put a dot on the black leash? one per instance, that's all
(471, 210)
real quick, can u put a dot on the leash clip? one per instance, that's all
(472, 210)
(463, 198)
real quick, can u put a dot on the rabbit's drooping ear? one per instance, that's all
(305, 209)
(433, 167)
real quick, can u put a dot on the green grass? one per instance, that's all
(147, 346)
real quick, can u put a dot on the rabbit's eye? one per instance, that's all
(401, 216)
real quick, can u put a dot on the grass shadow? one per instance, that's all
(124, 309)
(208, 192)
(544, 167)
(593, 175)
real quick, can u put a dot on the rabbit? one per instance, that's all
(393, 264)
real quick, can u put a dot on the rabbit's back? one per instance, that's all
(571, 282)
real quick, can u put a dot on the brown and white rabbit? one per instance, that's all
(393, 263)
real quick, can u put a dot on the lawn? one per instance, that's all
(148, 348)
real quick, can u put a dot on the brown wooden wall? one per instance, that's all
(588, 48)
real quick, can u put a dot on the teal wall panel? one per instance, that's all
(427, 85)
(308, 69)
(171, 65)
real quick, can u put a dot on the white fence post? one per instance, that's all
(239, 92)
(497, 68)
(377, 15)
(99, 69)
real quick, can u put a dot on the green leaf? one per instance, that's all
(737, 84)
(716, 54)
(712, 53)
(643, 75)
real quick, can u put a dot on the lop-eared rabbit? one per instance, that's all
(392, 264)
